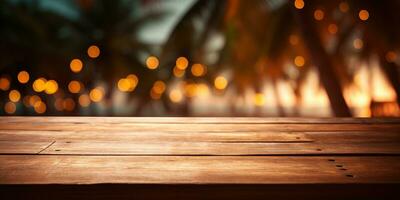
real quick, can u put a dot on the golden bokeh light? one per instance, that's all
(344, 7)
(93, 51)
(259, 99)
(76, 65)
(332, 29)
(123, 85)
(4, 84)
(319, 14)
(175, 95)
(178, 72)
(51, 87)
(154, 95)
(74, 86)
(220, 83)
(23, 77)
(14, 95)
(40, 107)
(84, 100)
(299, 4)
(10, 108)
(152, 62)
(363, 15)
(97, 94)
(26, 100)
(69, 104)
(133, 81)
(159, 87)
(299, 61)
(39, 85)
(391, 56)
(358, 43)
(33, 99)
(198, 70)
(182, 63)
(59, 104)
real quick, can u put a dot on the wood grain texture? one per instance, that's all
(343, 157)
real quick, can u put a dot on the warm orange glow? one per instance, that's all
(358, 43)
(51, 87)
(10, 108)
(332, 29)
(299, 61)
(40, 107)
(26, 100)
(175, 96)
(133, 81)
(294, 39)
(198, 70)
(93, 51)
(76, 65)
(23, 77)
(154, 95)
(33, 99)
(344, 7)
(182, 63)
(363, 15)
(190, 90)
(319, 15)
(84, 100)
(59, 104)
(259, 99)
(152, 62)
(220, 82)
(178, 72)
(159, 87)
(74, 86)
(96, 94)
(69, 104)
(299, 4)
(4, 84)
(39, 85)
(123, 85)
(14, 95)
(391, 56)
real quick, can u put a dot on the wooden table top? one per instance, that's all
(118, 150)
(89, 150)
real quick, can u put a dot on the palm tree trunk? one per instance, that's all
(322, 61)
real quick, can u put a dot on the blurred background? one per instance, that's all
(286, 58)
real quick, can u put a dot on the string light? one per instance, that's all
(178, 72)
(14, 96)
(69, 104)
(363, 15)
(198, 70)
(259, 99)
(96, 94)
(76, 65)
(23, 77)
(159, 87)
(93, 51)
(220, 83)
(175, 96)
(299, 61)
(84, 100)
(332, 28)
(33, 99)
(59, 104)
(10, 107)
(391, 56)
(344, 7)
(152, 62)
(293, 39)
(123, 85)
(318, 15)
(51, 87)
(74, 86)
(39, 85)
(299, 4)
(39, 107)
(4, 84)
(358, 43)
(133, 81)
(182, 63)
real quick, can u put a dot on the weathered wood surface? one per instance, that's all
(257, 153)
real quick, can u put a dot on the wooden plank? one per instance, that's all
(23, 147)
(217, 148)
(199, 128)
(191, 120)
(41, 169)
(113, 135)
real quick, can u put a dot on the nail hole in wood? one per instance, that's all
(350, 175)
(298, 138)
(343, 169)
(57, 150)
(68, 142)
(339, 165)
(319, 149)
(331, 160)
